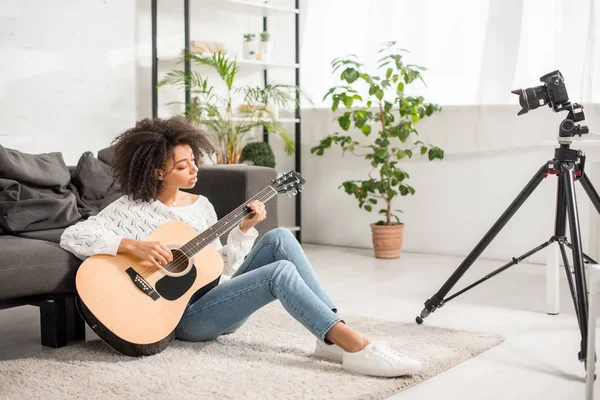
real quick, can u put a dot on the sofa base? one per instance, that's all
(60, 321)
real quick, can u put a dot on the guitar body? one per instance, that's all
(133, 306)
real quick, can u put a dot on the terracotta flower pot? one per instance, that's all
(387, 240)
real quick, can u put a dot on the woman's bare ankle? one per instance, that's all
(346, 338)
(358, 345)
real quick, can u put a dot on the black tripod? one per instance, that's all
(568, 165)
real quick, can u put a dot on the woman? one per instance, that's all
(156, 159)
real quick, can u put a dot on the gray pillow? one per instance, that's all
(95, 186)
(34, 193)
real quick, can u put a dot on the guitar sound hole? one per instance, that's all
(180, 262)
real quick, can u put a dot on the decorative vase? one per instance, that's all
(264, 51)
(387, 240)
(249, 50)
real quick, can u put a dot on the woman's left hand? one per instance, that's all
(259, 214)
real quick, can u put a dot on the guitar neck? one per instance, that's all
(225, 224)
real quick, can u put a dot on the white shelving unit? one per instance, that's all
(255, 64)
(255, 8)
(248, 7)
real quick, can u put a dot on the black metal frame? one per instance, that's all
(568, 165)
(298, 136)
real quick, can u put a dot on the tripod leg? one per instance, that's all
(591, 192)
(552, 281)
(553, 265)
(570, 280)
(437, 299)
(585, 256)
(567, 176)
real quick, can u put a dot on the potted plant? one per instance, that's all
(266, 101)
(391, 114)
(264, 47)
(258, 153)
(215, 111)
(249, 49)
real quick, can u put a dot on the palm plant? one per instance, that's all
(215, 111)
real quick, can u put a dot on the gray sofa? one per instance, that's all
(35, 270)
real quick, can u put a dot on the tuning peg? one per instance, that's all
(295, 192)
(301, 188)
(288, 194)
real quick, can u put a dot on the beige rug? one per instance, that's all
(270, 357)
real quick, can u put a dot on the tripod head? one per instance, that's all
(568, 127)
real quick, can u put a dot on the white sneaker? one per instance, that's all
(331, 352)
(378, 359)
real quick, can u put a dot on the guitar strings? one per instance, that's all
(182, 258)
(223, 222)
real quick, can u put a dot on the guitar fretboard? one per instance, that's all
(225, 224)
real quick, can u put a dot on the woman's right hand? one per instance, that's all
(155, 252)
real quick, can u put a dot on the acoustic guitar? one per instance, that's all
(134, 306)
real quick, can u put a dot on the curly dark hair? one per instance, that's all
(141, 150)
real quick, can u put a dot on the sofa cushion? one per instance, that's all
(34, 192)
(31, 267)
(107, 155)
(51, 235)
(95, 185)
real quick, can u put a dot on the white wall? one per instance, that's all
(74, 76)
(67, 74)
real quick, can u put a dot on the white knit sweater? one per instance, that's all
(125, 218)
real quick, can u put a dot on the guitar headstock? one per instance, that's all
(290, 183)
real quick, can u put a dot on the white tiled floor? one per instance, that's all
(538, 360)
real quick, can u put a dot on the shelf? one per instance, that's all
(281, 120)
(241, 62)
(255, 8)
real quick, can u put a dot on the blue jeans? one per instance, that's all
(276, 268)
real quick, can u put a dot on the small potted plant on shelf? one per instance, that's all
(249, 46)
(215, 111)
(264, 47)
(391, 114)
(258, 153)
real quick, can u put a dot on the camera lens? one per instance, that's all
(531, 98)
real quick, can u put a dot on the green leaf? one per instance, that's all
(344, 121)
(387, 106)
(352, 75)
(423, 150)
(348, 101)
(373, 201)
(368, 208)
(404, 134)
(379, 94)
(436, 152)
(401, 154)
(403, 190)
(336, 103)
(366, 129)
(389, 73)
(400, 88)
(409, 153)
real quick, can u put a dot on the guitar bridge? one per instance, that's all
(142, 284)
